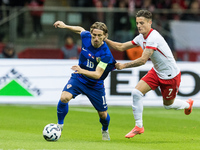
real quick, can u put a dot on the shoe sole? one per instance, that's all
(134, 135)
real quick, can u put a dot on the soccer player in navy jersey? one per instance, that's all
(95, 63)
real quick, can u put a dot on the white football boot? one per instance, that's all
(60, 126)
(105, 135)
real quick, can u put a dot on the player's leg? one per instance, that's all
(98, 100)
(141, 88)
(169, 90)
(104, 120)
(179, 104)
(71, 90)
(147, 83)
(62, 107)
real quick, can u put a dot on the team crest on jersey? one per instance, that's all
(144, 44)
(98, 59)
(68, 86)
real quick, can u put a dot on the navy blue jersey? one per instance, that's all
(89, 59)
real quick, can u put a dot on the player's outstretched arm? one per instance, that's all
(137, 62)
(119, 46)
(61, 24)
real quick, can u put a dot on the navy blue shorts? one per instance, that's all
(96, 96)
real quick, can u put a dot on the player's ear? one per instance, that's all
(106, 36)
(150, 22)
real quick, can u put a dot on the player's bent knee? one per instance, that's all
(65, 97)
(64, 100)
(168, 104)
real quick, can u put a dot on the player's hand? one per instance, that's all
(76, 68)
(59, 24)
(119, 66)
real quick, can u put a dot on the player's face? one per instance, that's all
(143, 25)
(97, 38)
(9, 52)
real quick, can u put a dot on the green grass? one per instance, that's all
(21, 128)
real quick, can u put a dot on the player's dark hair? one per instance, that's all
(100, 26)
(144, 13)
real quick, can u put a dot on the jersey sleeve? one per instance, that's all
(105, 59)
(135, 41)
(107, 62)
(85, 34)
(152, 42)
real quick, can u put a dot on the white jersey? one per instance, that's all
(163, 61)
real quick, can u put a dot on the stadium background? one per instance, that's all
(40, 72)
(175, 20)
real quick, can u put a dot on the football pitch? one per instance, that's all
(21, 129)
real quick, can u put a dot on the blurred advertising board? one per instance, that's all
(41, 81)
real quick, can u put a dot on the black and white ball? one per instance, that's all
(51, 132)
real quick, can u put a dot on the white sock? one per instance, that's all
(178, 104)
(137, 107)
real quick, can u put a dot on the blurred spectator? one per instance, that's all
(70, 49)
(149, 5)
(177, 7)
(162, 4)
(103, 3)
(122, 24)
(3, 13)
(138, 4)
(19, 4)
(8, 51)
(177, 12)
(88, 18)
(36, 17)
(6, 3)
(193, 15)
(6, 7)
(181, 3)
(80, 3)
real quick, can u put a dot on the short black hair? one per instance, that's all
(144, 13)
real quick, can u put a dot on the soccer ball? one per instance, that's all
(51, 132)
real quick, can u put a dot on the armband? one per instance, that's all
(102, 65)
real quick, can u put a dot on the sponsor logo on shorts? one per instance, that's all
(168, 96)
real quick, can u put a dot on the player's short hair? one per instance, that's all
(100, 26)
(144, 13)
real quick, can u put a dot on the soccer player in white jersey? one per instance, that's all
(165, 72)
